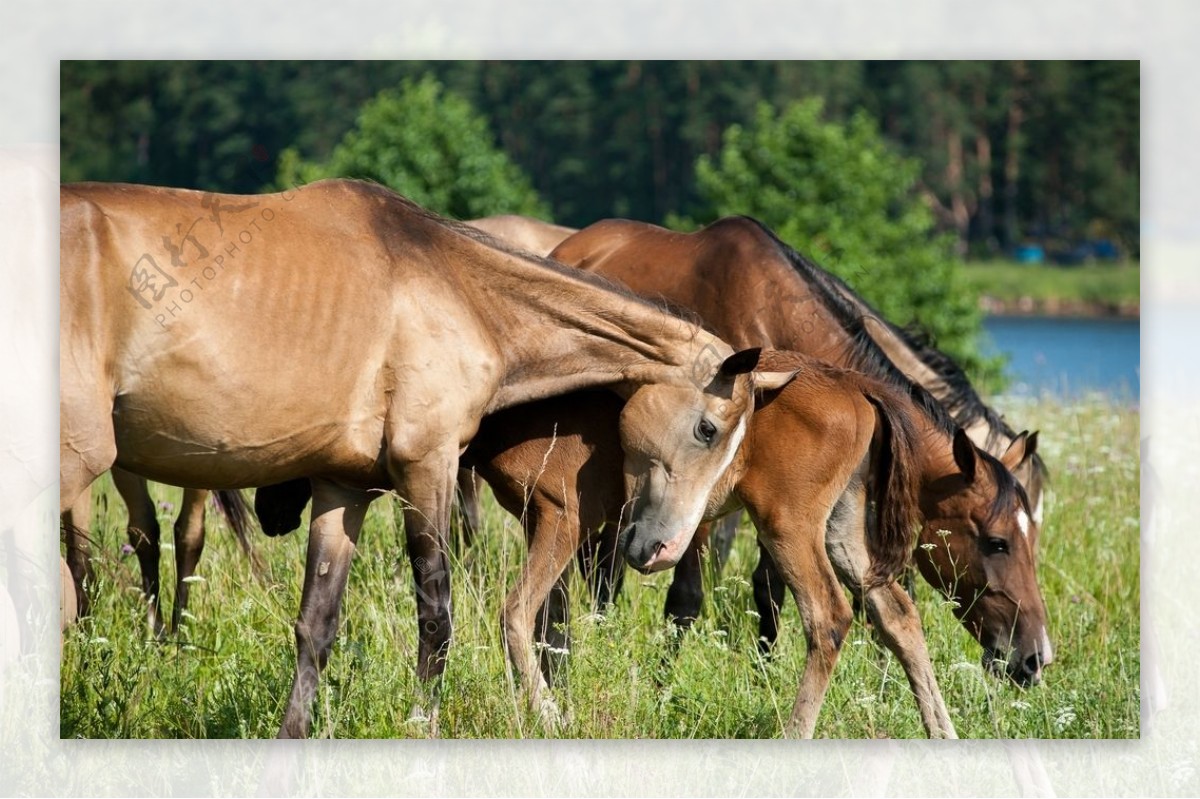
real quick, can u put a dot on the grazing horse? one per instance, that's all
(381, 334)
(819, 454)
(912, 354)
(751, 287)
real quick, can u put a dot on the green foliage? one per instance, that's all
(841, 195)
(1010, 150)
(432, 147)
(228, 672)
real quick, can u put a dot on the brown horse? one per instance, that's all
(751, 287)
(818, 454)
(911, 354)
(381, 335)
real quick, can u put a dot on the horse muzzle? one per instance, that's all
(648, 553)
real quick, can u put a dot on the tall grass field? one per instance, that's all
(227, 672)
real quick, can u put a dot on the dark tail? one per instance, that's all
(236, 511)
(894, 490)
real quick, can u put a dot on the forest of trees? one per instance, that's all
(1008, 152)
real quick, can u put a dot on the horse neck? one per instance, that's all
(935, 453)
(561, 331)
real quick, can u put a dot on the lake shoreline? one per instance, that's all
(1053, 307)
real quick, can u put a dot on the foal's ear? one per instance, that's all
(741, 363)
(964, 454)
(769, 381)
(1020, 450)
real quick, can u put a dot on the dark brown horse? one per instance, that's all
(382, 335)
(751, 287)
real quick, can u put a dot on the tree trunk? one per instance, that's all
(960, 209)
(1012, 155)
(983, 156)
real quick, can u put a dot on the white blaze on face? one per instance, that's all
(676, 546)
(1023, 522)
(1047, 650)
(1037, 512)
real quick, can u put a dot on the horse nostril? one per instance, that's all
(659, 548)
(1033, 663)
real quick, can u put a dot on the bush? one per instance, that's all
(840, 195)
(432, 147)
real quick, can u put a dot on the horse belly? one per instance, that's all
(206, 441)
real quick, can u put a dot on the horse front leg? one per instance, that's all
(769, 590)
(899, 625)
(76, 522)
(337, 517)
(685, 596)
(427, 488)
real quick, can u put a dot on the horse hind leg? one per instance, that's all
(144, 538)
(892, 612)
(189, 545)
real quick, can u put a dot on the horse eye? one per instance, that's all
(705, 430)
(996, 546)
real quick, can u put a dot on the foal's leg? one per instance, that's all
(553, 535)
(337, 517)
(793, 544)
(189, 544)
(685, 596)
(897, 622)
(769, 589)
(144, 537)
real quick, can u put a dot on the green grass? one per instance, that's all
(1098, 285)
(228, 672)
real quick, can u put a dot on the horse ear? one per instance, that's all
(769, 381)
(964, 454)
(741, 363)
(1020, 450)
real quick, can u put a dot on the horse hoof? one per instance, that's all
(551, 716)
(422, 718)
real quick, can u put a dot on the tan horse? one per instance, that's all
(751, 287)
(341, 333)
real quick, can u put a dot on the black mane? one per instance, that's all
(962, 406)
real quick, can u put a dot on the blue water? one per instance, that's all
(1068, 357)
